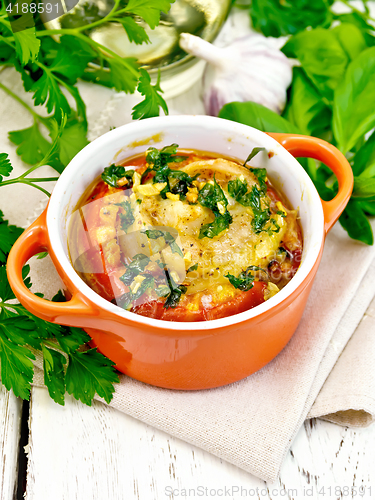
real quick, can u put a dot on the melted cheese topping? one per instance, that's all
(234, 249)
(230, 252)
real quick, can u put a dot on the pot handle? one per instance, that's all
(302, 146)
(32, 241)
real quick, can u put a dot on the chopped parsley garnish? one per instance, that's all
(276, 226)
(161, 157)
(192, 268)
(213, 197)
(239, 191)
(140, 280)
(135, 268)
(154, 234)
(112, 174)
(173, 298)
(177, 181)
(245, 280)
(128, 298)
(261, 175)
(126, 219)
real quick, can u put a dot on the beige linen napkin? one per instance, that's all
(250, 423)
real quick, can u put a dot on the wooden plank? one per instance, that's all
(80, 452)
(10, 431)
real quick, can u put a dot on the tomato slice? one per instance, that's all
(242, 302)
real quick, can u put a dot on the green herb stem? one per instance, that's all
(20, 101)
(96, 45)
(23, 180)
(364, 15)
(8, 40)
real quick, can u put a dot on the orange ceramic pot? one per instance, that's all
(185, 355)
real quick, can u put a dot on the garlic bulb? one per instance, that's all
(251, 68)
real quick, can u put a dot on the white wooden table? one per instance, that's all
(77, 452)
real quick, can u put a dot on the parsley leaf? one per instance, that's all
(123, 74)
(213, 197)
(161, 158)
(16, 367)
(8, 235)
(149, 107)
(46, 90)
(32, 146)
(71, 141)
(261, 175)
(27, 45)
(134, 31)
(54, 374)
(174, 296)
(149, 10)
(90, 372)
(5, 166)
(177, 181)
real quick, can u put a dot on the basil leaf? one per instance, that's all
(254, 152)
(351, 39)
(364, 189)
(368, 207)
(322, 57)
(257, 116)
(353, 116)
(365, 156)
(355, 222)
(357, 20)
(305, 108)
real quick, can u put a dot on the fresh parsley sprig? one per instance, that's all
(68, 366)
(50, 67)
(51, 157)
